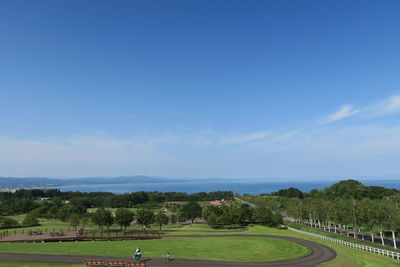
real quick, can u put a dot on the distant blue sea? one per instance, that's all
(240, 187)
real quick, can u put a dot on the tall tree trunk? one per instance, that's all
(394, 239)
(362, 234)
(354, 218)
(335, 228)
(381, 234)
(372, 237)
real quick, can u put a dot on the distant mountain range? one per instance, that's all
(14, 182)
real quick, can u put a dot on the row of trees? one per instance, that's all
(23, 201)
(123, 217)
(366, 215)
(240, 215)
(348, 205)
(342, 190)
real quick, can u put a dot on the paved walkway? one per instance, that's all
(319, 254)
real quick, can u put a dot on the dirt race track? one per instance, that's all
(319, 254)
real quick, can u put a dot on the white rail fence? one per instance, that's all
(384, 252)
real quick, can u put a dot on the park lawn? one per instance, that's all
(345, 256)
(219, 248)
(357, 258)
(36, 264)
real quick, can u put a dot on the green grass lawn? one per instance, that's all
(221, 248)
(346, 257)
(227, 248)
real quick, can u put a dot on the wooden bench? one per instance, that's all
(56, 233)
(137, 263)
(94, 262)
(114, 263)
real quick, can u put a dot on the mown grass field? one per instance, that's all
(218, 248)
(260, 249)
(346, 257)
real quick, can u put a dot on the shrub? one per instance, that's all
(30, 220)
(8, 223)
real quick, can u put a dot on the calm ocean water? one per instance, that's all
(240, 187)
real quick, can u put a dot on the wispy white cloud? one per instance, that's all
(237, 139)
(344, 112)
(307, 151)
(313, 151)
(394, 103)
(387, 106)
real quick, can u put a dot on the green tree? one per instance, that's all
(109, 219)
(161, 219)
(63, 213)
(173, 219)
(289, 193)
(77, 205)
(212, 220)
(75, 220)
(348, 189)
(84, 220)
(30, 220)
(191, 211)
(145, 217)
(8, 223)
(265, 216)
(123, 217)
(244, 213)
(102, 218)
(180, 216)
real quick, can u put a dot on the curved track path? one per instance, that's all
(319, 254)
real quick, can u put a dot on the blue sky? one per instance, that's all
(255, 89)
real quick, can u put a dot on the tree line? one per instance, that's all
(23, 200)
(347, 205)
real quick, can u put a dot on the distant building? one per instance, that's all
(216, 203)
